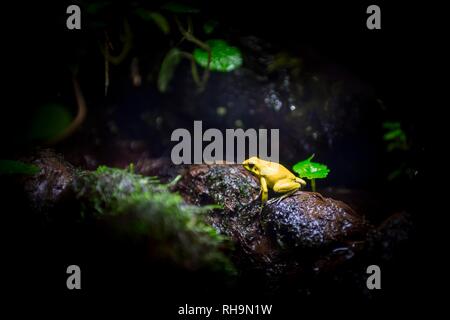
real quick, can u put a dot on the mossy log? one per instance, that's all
(138, 208)
(211, 219)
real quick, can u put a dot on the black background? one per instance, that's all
(398, 60)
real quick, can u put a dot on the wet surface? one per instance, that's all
(302, 234)
(307, 220)
(327, 93)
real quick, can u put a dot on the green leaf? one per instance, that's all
(49, 121)
(17, 167)
(397, 133)
(168, 66)
(391, 125)
(209, 26)
(311, 170)
(224, 58)
(96, 7)
(155, 17)
(177, 7)
(395, 136)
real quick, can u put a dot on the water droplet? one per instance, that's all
(221, 111)
(238, 123)
(273, 101)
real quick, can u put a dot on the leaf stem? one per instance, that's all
(126, 38)
(194, 70)
(313, 185)
(189, 36)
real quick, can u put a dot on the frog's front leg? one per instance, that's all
(264, 190)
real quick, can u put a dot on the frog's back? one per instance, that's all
(275, 169)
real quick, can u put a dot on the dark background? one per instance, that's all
(395, 60)
(392, 59)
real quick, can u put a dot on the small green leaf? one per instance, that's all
(395, 136)
(391, 125)
(17, 167)
(155, 17)
(168, 66)
(49, 121)
(397, 133)
(96, 7)
(224, 58)
(209, 26)
(177, 7)
(311, 170)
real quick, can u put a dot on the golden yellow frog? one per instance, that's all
(274, 176)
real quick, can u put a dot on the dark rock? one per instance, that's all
(48, 187)
(300, 241)
(308, 220)
(229, 185)
(160, 167)
(390, 236)
(278, 238)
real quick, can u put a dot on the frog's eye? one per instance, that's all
(251, 165)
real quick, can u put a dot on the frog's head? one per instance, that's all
(253, 165)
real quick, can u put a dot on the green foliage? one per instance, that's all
(176, 7)
(49, 121)
(155, 17)
(391, 125)
(403, 171)
(396, 140)
(147, 208)
(224, 58)
(17, 167)
(97, 6)
(394, 136)
(311, 170)
(209, 26)
(109, 188)
(168, 66)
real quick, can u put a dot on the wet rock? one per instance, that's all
(308, 220)
(237, 191)
(229, 185)
(303, 221)
(278, 238)
(390, 236)
(48, 187)
(162, 168)
(299, 241)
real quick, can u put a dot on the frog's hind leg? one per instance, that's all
(286, 186)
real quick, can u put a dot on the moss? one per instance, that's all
(106, 190)
(144, 207)
(229, 187)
